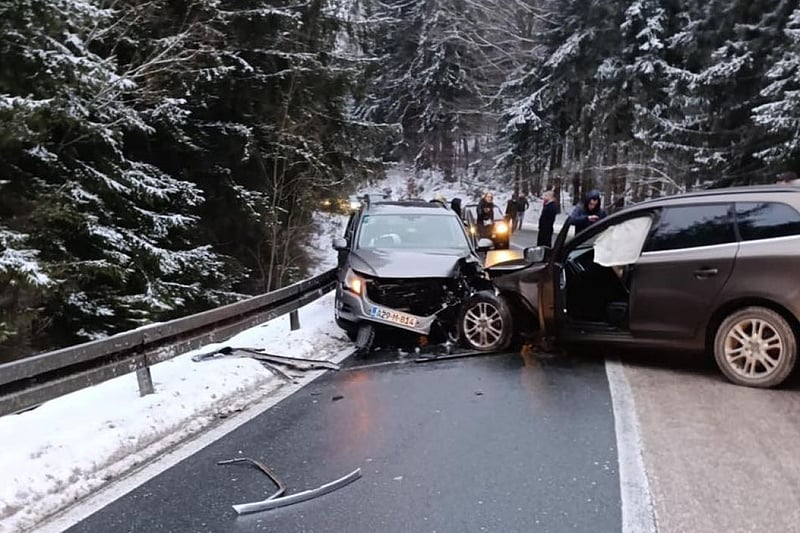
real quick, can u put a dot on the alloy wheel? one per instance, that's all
(483, 325)
(753, 348)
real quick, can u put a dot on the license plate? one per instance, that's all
(396, 317)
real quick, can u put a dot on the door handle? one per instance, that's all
(705, 273)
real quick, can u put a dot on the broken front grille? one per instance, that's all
(420, 297)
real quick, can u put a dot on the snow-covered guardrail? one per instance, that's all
(39, 378)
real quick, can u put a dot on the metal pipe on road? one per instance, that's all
(272, 503)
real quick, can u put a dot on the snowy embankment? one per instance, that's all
(70, 447)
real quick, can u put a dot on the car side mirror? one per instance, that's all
(339, 243)
(535, 254)
(484, 244)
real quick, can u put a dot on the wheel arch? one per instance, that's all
(524, 316)
(740, 303)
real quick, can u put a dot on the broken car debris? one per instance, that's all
(268, 359)
(275, 500)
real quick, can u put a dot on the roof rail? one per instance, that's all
(369, 198)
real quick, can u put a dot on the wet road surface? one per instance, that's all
(490, 443)
(719, 457)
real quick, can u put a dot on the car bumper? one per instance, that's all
(500, 241)
(359, 308)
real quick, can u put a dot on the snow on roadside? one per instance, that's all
(70, 447)
(320, 244)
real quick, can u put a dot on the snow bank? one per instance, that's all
(68, 448)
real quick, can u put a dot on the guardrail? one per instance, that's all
(39, 378)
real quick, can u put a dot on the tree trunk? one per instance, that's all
(447, 157)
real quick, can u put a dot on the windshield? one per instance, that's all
(412, 232)
(473, 210)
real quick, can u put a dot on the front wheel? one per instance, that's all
(350, 328)
(485, 323)
(755, 347)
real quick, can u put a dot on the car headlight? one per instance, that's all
(472, 230)
(353, 282)
(501, 227)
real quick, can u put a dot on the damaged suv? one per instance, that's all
(713, 271)
(410, 266)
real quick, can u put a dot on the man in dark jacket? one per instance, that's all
(455, 205)
(547, 219)
(522, 205)
(587, 213)
(511, 213)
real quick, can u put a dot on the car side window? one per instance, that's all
(692, 226)
(766, 220)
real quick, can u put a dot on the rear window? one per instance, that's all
(766, 220)
(692, 226)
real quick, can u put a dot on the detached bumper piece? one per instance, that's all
(298, 363)
(275, 500)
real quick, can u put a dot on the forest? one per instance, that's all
(161, 157)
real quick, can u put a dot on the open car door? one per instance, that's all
(551, 285)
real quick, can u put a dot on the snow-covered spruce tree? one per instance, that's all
(547, 116)
(718, 56)
(269, 130)
(108, 238)
(780, 114)
(652, 85)
(432, 77)
(628, 84)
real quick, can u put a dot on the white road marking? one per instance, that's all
(637, 503)
(118, 489)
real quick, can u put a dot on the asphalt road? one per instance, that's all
(719, 457)
(524, 238)
(492, 443)
(498, 443)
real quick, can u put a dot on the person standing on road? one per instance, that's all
(588, 212)
(787, 178)
(547, 219)
(455, 205)
(511, 213)
(522, 205)
(486, 215)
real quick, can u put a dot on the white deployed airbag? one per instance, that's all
(621, 244)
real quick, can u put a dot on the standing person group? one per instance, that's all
(584, 215)
(515, 211)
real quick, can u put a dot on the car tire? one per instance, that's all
(485, 323)
(755, 347)
(350, 328)
(364, 339)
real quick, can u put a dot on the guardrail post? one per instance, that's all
(145, 381)
(294, 320)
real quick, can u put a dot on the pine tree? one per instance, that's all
(780, 114)
(112, 235)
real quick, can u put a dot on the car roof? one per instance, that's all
(727, 194)
(413, 207)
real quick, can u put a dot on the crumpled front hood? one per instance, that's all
(385, 263)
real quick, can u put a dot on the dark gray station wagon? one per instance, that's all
(714, 271)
